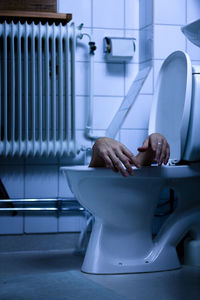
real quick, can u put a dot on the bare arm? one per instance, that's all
(112, 154)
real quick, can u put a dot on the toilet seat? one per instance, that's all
(171, 105)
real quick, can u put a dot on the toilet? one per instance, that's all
(121, 239)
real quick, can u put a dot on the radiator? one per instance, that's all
(37, 89)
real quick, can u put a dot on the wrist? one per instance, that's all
(145, 158)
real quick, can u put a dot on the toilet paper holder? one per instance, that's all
(119, 48)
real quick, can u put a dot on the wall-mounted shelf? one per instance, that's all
(43, 17)
(29, 5)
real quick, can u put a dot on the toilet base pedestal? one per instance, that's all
(192, 253)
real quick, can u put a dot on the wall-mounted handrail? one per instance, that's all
(58, 204)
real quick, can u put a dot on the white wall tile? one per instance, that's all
(81, 10)
(170, 12)
(108, 13)
(157, 66)
(167, 39)
(41, 181)
(193, 51)
(193, 10)
(11, 224)
(138, 116)
(106, 107)
(108, 79)
(132, 14)
(131, 71)
(13, 180)
(70, 223)
(148, 84)
(99, 133)
(196, 62)
(132, 139)
(82, 104)
(12, 177)
(82, 75)
(40, 224)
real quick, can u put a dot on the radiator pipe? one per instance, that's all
(89, 124)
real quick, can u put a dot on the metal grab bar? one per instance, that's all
(61, 205)
(57, 204)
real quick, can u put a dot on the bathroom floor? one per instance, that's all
(56, 275)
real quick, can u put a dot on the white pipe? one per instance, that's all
(89, 124)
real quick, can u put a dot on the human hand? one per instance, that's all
(155, 148)
(112, 154)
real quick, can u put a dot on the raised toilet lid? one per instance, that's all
(171, 105)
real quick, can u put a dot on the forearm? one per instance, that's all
(97, 162)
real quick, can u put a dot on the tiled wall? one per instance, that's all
(132, 18)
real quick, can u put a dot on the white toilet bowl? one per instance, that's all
(121, 239)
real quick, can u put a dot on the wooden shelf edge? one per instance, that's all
(28, 16)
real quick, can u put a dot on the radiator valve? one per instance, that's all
(92, 47)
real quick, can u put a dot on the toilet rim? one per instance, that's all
(190, 169)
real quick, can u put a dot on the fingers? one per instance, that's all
(114, 155)
(161, 148)
(126, 162)
(167, 155)
(130, 156)
(118, 161)
(109, 164)
(159, 152)
(119, 167)
(112, 162)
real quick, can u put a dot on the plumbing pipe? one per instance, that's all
(89, 124)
